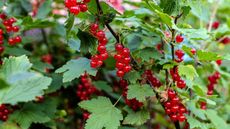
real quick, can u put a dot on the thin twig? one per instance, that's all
(216, 4)
(117, 101)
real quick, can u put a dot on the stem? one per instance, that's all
(117, 101)
(213, 15)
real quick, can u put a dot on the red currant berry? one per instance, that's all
(100, 34)
(181, 118)
(93, 64)
(181, 84)
(126, 52)
(1, 49)
(215, 24)
(179, 53)
(75, 10)
(1, 31)
(119, 65)
(15, 29)
(70, 3)
(127, 68)
(104, 56)
(193, 51)
(117, 57)
(11, 41)
(94, 27)
(171, 93)
(118, 47)
(173, 117)
(179, 39)
(175, 108)
(219, 62)
(18, 39)
(103, 41)
(83, 7)
(86, 1)
(101, 49)
(120, 73)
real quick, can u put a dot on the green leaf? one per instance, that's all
(216, 119)
(137, 118)
(104, 114)
(197, 112)
(187, 50)
(132, 76)
(29, 23)
(75, 68)
(194, 123)
(170, 6)
(44, 9)
(24, 85)
(149, 53)
(207, 56)
(102, 85)
(69, 23)
(9, 125)
(140, 92)
(197, 34)
(74, 43)
(188, 71)
(165, 18)
(34, 113)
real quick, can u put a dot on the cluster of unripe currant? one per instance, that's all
(177, 78)
(76, 7)
(4, 112)
(174, 108)
(152, 79)
(123, 60)
(10, 29)
(132, 103)
(97, 60)
(85, 89)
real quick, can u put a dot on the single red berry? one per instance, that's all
(175, 100)
(100, 34)
(179, 39)
(210, 92)
(226, 40)
(193, 51)
(1, 42)
(3, 16)
(11, 41)
(126, 60)
(104, 56)
(120, 73)
(127, 68)
(219, 62)
(101, 48)
(173, 117)
(99, 63)
(1, 37)
(18, 39)
(86, 115)
(125, 52)
(103, 41)
(6, 23)
(94, 27)
(179, 53)
(171, 93)
(83, 7)
(175, 108)
(203, 105)
(93, 64)
(119, 65)
(168, 111)
(15, 29)
(75, 10)
(182, 110)
(215, 24)
(12, 20)
(181, 84)
(1, 31)
(181, 118)
(70, 3)
(8, 28)
(168, 104)
(118, 47)
(117, 57)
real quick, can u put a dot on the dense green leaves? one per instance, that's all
(75, 68)
(216, 120)
(207, 56)
(140, 92)
(24, 85)
(137, 118)
(188, 71)
(104, 114)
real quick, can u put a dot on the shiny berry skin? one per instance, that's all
(181, 118)
(18, 39)
(173, 117)
(120, 73)
(11, 41)
(1, 31)
(1, 49)
(117, 57)
(181, 84)
(15, 29)
(219, 62)
(83, 7)
(171, 93)
(179, 53)
(94, 27)
(100, 34)
(193, 51)
(86, 1)
(125, 52)
(127, 68)
(93, 64)
(104, 56)
(75, 10)
(167, 104)
(103, 41)
(101, 49)
(70, 3)
(119, 65)
(179, 39)
(8, 28)
(118, 47)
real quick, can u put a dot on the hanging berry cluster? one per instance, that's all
(132, 103)
(10, 29)
(174, 108)
(4, 112)
(180, 54)
(97, 60)
(152, 79)
(177, 78)
(76, 7)
(123, 60)
(212, 81)
(86, 88)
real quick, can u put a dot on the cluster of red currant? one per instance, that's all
(86, 88)
(174, 108)
(177, 78)
(180, 54)
(48, 58)
(97, 60)
(152, 79)
(4, 112)
(77, 7)
(123, 60)
(10, 29)
(132, 103)
(212, 81)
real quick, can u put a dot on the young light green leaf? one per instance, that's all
(75, 68)
(195, 33)
(137, 118)
(197, 112)
(23, 84)
(188, 71)
(216, 119)
(103, 114)
(140, 92)
(207, 56)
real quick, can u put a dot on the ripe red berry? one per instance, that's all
(83, 7)
(173, 117)
(8, 28)
(11, 41)
(70, 3)
(1, 31)
(117, 57)
(126, 52)
(3, 16)
(219, 62)
(127, 68)
(120, 73)
(193, 51)
(86, 1)
(181, 118)
(75, 10)
(118, 47)
(215, 24)
(171, 93)
(103, 41)
(94, 27)
(15, 29)
(179, 53)
(93, 64)
(18, 39)
(104, 56)
(181, 84)
(119, 65)
(179, 38)
(101, 49)
(100, 34)
(226, 40)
